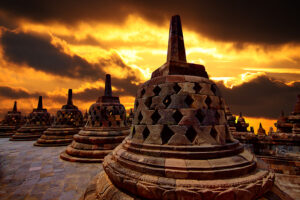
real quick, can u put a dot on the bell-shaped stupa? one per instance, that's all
(36, 123)
(105, 129)
(11, 122)
(241, 125)
(67, 123)
(180, 146)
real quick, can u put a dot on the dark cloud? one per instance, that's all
(12, 93)
(268, 22)
(261, 97)
(38, 52)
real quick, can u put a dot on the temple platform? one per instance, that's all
(33, 173)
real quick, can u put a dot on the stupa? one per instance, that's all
(230, 119)
(180, 146)
(11, 122)
(241, 125)
(67, 123)
(105, 129)
(261, 130)
(36, 123)
(280, 150)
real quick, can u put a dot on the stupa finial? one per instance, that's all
(108, 91)
(15, 107)
(176, 50)
(40, 104)
(70, 101)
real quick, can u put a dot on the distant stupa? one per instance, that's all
(67, 123)
(105, 129)
(36, 123)
(180, 146)
(11, 122)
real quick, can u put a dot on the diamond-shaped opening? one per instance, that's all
(200, 115)
(191, 134)
(166, 134)
(109, 124)
(140, 117)
(133, 132)
(189, 100)
(136, 104)
(146, 133)
(100, 124)
(213, 132)
(213, 88)
(177, 116)
(167, 100)
(208, 101)
(156, 90)
(143, 92)
(197, 87)
(148, 102)
(176, 88)
(155, 117)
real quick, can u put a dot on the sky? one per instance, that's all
(250, 48)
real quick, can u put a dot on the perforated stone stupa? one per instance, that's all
(180, 146)
(67, 123)
(105, 129)
(36, 123)
(11, 122)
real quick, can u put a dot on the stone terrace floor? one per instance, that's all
(37, 173)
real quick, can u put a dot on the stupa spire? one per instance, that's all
(70, 101)
(40, 104)
(15, 107)
(108, 91)
(176, 50)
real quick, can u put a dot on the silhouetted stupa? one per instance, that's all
(36, 123)
(180, 146)
(105, 129)
(11, 122)
(67, 123)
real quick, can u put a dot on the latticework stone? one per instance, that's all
(67, 123)
(105, 129)
(36, 123)
(11, 122)
(180, 146)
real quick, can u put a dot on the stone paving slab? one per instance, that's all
(37, 173)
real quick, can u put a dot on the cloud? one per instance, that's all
(267, 22)
(261, 97)
(37, 51)
(12, 93)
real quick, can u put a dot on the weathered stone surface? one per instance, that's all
(36, 123)
(186, 150)
(67, 122)
(12, 121)
(105, 129)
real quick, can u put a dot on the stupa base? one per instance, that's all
(70, 158)
(6, 135)
(92, 145)
(56, 136)
(101, 188)
(102, 183)
(28, 133)
(7, 131)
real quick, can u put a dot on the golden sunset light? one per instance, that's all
(130, 49)
(152, 100)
